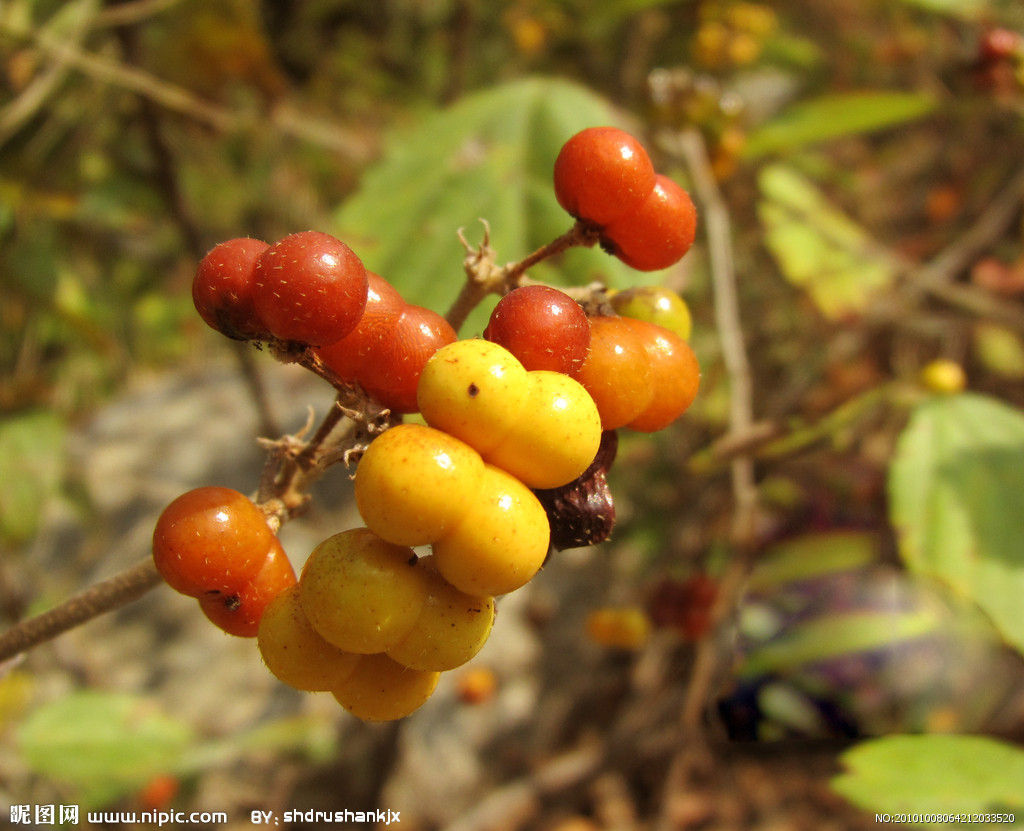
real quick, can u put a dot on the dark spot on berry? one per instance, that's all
(473, 390)
(232, 603)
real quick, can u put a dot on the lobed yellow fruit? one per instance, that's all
(381, 689)
(475, 390)
(450, 630)
(361, 593)
(501, 542)
(414, 482)
(557, 440)
(295, 653)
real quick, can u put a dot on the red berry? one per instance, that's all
(222, 289)
(543, 327)
(383, 306)
(658, 233)
(310, 288)
(617, 372)
(675, 376)
(999, 44)
(602, 173)
(399, 354)
(210, 540)
(239, 614)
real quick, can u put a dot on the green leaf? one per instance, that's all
(490, 156)
(956, 492)
(104, 744)
(818, 248)
(838, 635)
(31, 469)
(933, 775)
(836, 115)
(812, 555)
(966, 9)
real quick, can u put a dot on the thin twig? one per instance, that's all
(110, 594)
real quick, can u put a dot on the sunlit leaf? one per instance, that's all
(103, 744)
(813, 555)
(31, 466)
(999, 350)
(490, 156)
(818, 248)
(967, 9)
(836, 115)
(956, 489)
(933, 775)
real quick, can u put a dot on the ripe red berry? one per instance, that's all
(601, 174)
(347, 356)
(658, 233)
(310, 288)
(222, 289)
(400, 352)
(543, 327)
(240, 614)
(210, 540)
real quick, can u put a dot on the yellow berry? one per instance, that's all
(501, 542)
(360, 593)
(449, 631)
(625, 627)
(414, 482)
(475, 390)
(558, 438)
(381, 689)
(294, 652)
(943, 376)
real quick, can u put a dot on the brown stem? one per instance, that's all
(111, 594)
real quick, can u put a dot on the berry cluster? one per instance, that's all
(214, 544)
(509, 465)
(605, 179)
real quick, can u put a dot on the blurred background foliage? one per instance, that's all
(866, 156)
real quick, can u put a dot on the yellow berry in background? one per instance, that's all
(619, 627)
(414, 482)
(943, 376)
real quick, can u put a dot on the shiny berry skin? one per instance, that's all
(210, 540)
(558, 436)
(239, 614)
(310, 288)
(674, 376)
(295, 653)
(658, 233)
(601, 174)
(543, 327)
(347, 356)
(222, 289)
(414, 484)
(399, 354)
(655, 304)
(617, 371)
(501, 541)
(380, 689)
(450, 630)
(360, 593)
(475, 390)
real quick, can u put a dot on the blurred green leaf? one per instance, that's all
(490, 156)
(999, 349)
(839, 635)
(31, 469)
(818, 248)
(836, 115)
(104, 744)
(813, 555)
(967, 9)
(933, 775)
(956, 491)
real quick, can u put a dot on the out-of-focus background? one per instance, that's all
(814, 584)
